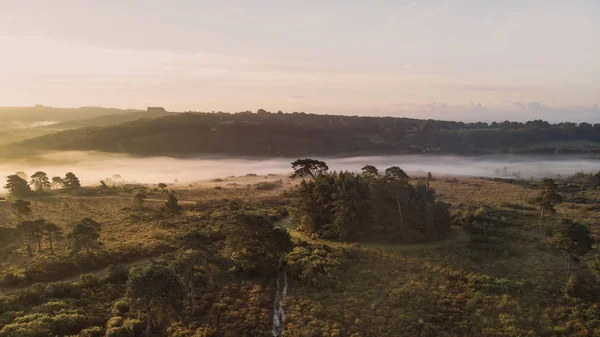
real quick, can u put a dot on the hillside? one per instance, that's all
(19, 123)
(299, 134)
(105, 120)
(40, 113)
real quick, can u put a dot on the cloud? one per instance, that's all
(537, 106)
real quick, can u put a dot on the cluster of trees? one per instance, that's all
(350, 206)
(253, 246)
(589, 180)
(84, 235)
(298, 134)
(18, 186)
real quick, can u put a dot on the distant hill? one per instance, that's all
(106, 120)
(40, 113)
(298, 134)
(19, 123)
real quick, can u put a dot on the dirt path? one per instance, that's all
(187, 202)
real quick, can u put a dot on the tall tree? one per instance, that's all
(38, 234)
(71, 181)
(548, 197)
(29, 230)
(397, 173)
(22, 208)
(308, 167)
(85, 234)
(17, 186)
(574, 238)
(155, 288)
(52, 230)
(40, 181)
(187, 264)
(370, 170)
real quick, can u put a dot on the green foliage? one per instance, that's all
(115, 274)
(94, 331)
(120, 307)
(89, 280)
(320, 266)
(172, 205)
(308, 168)
(40, 181)
(21, 207)
(71, 181)
(267, 186)
(396, 173)
(57, 182)
(31, 231)
(254, 244)
(52, 230)
(85, 235)
(139, 196)
(548, 197)
(370, 170)
(120, 331)
(574, 238)
(155, 288)
(34, 325)
(349, 206)
(17, 186)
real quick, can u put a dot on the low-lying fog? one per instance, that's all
(91, 167)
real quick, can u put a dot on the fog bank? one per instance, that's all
(91, 167)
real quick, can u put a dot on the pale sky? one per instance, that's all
(467, 59)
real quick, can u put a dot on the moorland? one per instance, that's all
(362, 246)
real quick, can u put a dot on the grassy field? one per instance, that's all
(508, 283)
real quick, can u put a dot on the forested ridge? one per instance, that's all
(299, 134)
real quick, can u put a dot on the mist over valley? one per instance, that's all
(91, 167)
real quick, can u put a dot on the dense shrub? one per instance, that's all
(115, 274)
(320, 266)
(89, 280)
(94, 331)
(268, 186)
(120, 307)
(67, 323)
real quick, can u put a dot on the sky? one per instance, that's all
(463, 59)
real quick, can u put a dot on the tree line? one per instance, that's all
(366, 206)
(18, 186)
(84, 235)
(300, 134)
